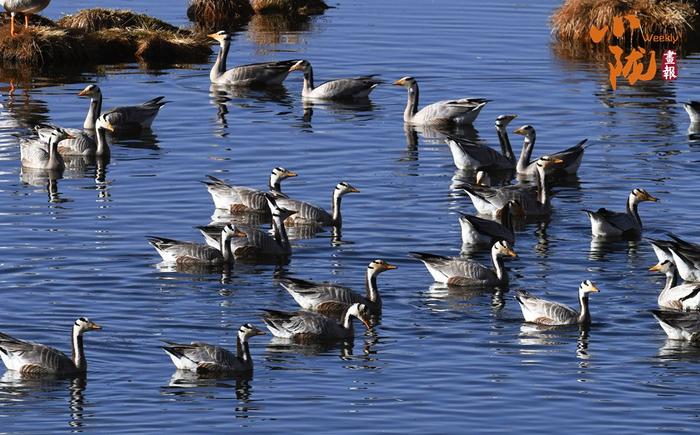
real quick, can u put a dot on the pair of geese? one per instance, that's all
(327, 304)
(441, 113)
(52, 143)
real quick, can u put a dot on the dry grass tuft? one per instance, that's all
(270, 29)
(573, 20)
(95, 19)
(216, 14)
(292, 7)
(102, 37)
(34, 20)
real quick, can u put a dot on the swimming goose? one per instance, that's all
(81, 143)
(309, 214)
(256, 244)
(544, 312)
(37, 155)
(26, 7)
(123, 118)
(468, 155)
(442, 113)
(478, 231)
(239, 199)
(606, 223)
(571, 156)
(178, 252)
(693, 109)
(676, 297)
(254, 74)
(679, 325)
(208, 358)
(36, 359)
(339, 89)
(327, 298)
(307, 326)
(534, 198)
(460, 271)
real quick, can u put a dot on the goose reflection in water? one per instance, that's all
(284, 351)
(679, 350)
(20, 389)
(223, 97)
(184, 385)
(442, 298)
(46, 179)
(601, 248)
(539, 339)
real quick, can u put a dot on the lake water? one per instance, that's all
(441, 360)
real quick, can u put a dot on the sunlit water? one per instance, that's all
(441, 360)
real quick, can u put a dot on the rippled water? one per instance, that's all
(441, 360)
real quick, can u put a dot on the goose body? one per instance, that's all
(209, 358)
(307, 326)
(30, 358)
(545, 312)
(179, 252)
(36, 154)
(459, 271)
(571, 157)
(330, 299)
(254, 74)
(606, 223)
(441, 113)
(468, 155)
(679, 325)
(120, 119)
(240, 199)
(310, 214)
(80, 143)
(479, 231)
(676, 297)
(534, 198)
(339, 89)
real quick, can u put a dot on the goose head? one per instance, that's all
(586, 288)
(344, 188)
(58, 135)
(302, 65)
(526, 130)
(503, 249)
(379, 266)
(221, 36)
(666, 267)
(90, 91)
(406, 82)
(361, 312)
(641, 195)
(231, 230)
(503, 120)
(83, 324)
(279, 173)
(103, 122)
(247, 330)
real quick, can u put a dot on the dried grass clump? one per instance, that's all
(102, 37)
(219, 13)
(34, 20)
(95, 19)
(270, 29)
(573, 20)
(293, 7)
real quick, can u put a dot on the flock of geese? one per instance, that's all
(327, 310)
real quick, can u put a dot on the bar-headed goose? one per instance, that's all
(479, 231)
(460, 271)
(339, 89)
(534, 198)
(542, 311)
(679, 325)
(309, 214)
(37, 155)
(307, 326)
(240, 199)
(211, 359)
(37, 359)
(122, 118)
(571, 157)
(254, 74)
(469, 155)
(676, 297)
(442, 113)
(80, 143)
(606, 223)
(329, 299)
(178, 252)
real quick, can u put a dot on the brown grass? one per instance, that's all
(219, 14)
(102, 37)
(573, 20)
(271, 28)
(292, 7)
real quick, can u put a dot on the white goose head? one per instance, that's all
(379, 266)
(666, 267)
(83, 324)
(503, 248)
(221, 36)
(343, 188)
(641, 195)
(406, 82)
(247, 330)
(503, 120)
(103, 123)
(302, 65)
(90, 91)
(361, 312)
(587, 287)
(279, 173)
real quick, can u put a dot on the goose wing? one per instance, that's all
(211, 357)
(546, 312)
(621, 221)
(490, 228)
(183, 252)
(305, 212)
(450, 110)
(32, 150)
(141, 116)
(289, 324)
(470, 155)
(356, 87)
(314, 293)
(33, 358)
(258, 73)
(454, 270)
(679, 324)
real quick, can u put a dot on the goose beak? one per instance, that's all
(399, 82)
(83, 93)
(214, 36)
(648, 197)
(511, 253)
(354, 190)
(390, 266)
(108, 126)
(557, 161)
(290, 174)
(297, 66)
(94, 326)
(520, 130)
(366, 322)
(594, 289)
(257, 331)
(655, 268)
